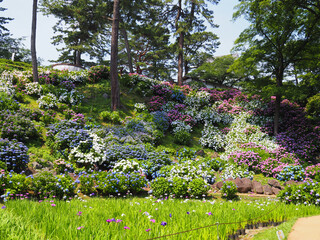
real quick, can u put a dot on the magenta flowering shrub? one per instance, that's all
(156, 103)
(98, 73)
(68, 85)
(175, 115)
(249, 158)
(313, 172)
(228, 106)
(297, 134)
(162, 91)
(261, 160)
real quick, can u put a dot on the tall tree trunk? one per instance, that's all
(279, 79)
(33, 41)
(180, 44)
(126, 42)
(115, 91)
(78, 58)
(186, 67)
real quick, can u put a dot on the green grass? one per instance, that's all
(271, 234)
(62, 220)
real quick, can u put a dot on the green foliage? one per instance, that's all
(182, 137)
(17, 184)
(218, 71)
(113, 117)
(306, 193)
(8, 65)
(45, 184)
(179, 187)
(229, 190)
(8, 103)
(312, 107)
(161, 187)
(198, 188)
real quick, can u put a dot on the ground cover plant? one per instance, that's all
(59, 138)
(121, 218)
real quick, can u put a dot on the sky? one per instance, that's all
(21, 11)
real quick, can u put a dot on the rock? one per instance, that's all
(292, 182)
(274, 183)
(200, 153)
(275, 190)
(267, 189)
(243, 185)
(36, 165)
(257, 187)
(50, 165)
(219, 185)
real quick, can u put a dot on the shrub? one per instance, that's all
(161, 187)
(48, 101)
(45, 184)
(33, 88)
(229, 190)
(8, 103)
(126, 166)
(113, 117)
(114, 183)
(312, 107)
(17, 126)
(98, 73)
(182, 137)
(64, 135)
(161, 120)
(313, 172)
(306, 193)
(214, 164)
(296, 173)
(16, 184)
(179, 187)
(198, 187)
(184, 154)
(14, 154)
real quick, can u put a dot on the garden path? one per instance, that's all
(306, 228)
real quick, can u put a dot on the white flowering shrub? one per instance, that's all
(33, 88)
(197, 99)
(126, 166)
(6, 83)
(190, 170)
(70, 97)
(243, 132)
(233, 171)
(178, 126)
(89, 152)
(78, 77)
(168, 106)
(212, 137)
(47, 101)
(140, 107)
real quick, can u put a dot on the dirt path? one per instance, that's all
(306, 228)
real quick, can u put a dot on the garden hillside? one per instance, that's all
(59, 138)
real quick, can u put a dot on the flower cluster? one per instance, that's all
(13, 155)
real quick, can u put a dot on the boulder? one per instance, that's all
(36, 165)
(267, 189)
(275, 190)
(243, 185)
(219, 185)
(257, 187)
(274, 183)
